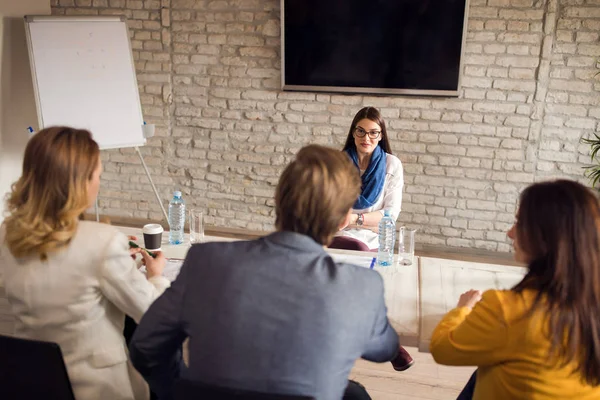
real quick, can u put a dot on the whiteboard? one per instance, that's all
(84, 77)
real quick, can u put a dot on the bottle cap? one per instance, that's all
(387, 213)
(177, 193)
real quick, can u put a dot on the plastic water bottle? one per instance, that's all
(176, 218)
(387, 238)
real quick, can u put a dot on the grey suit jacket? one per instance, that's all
(274, 315)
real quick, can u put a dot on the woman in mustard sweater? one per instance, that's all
(541, 339)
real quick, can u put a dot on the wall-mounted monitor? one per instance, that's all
(373, 46)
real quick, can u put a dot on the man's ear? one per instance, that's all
(346, 221)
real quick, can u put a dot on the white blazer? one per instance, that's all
(78, 298)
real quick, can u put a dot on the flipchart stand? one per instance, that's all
(149, 132)
(84, 76)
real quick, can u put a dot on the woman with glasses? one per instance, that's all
(381, 174)
(382, 181)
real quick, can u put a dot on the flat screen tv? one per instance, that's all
(373, 46)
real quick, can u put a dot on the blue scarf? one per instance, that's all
(373, 178)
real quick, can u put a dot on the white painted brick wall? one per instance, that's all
(209, 76)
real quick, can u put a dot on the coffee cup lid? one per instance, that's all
(151, 229)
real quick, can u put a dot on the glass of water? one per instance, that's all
(406, 245)
(196, 226)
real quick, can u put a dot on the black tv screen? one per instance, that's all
(373, 46)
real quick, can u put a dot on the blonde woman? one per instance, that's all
(70, 281)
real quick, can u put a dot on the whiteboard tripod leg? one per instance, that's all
(152, 184)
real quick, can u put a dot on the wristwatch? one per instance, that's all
(360, 219)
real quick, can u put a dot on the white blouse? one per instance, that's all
(390, 198)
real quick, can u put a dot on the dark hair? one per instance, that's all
(373, 114)
(557, 227)
(315, 193)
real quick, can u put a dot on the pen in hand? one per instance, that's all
(134, 245)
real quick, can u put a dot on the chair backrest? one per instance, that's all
(190, 390)
(348, 243)
(32, 369)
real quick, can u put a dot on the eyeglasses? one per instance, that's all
(360, 133)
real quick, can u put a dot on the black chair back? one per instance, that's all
(188, 390)
(32, 370)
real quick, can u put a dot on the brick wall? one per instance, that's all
(209, 76)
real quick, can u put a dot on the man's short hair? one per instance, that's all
(315, 193)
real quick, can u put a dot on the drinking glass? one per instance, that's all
(406, 245)
(196, 226)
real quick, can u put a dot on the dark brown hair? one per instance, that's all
(557, 227)
(373, 114)
(52, 192)
(315, 193)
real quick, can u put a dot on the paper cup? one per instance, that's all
(152, 236)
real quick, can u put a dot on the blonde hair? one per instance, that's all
(315, 193)
(45, 203)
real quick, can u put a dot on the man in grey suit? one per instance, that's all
(276, 314)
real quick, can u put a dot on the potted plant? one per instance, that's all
(593, 171)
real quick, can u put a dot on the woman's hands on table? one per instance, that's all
(154, 265)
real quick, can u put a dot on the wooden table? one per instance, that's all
(417, 296)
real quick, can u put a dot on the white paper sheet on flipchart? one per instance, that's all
(73, 57)
(361, 261)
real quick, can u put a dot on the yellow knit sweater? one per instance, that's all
(510, 351)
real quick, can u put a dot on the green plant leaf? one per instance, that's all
(592, 172)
